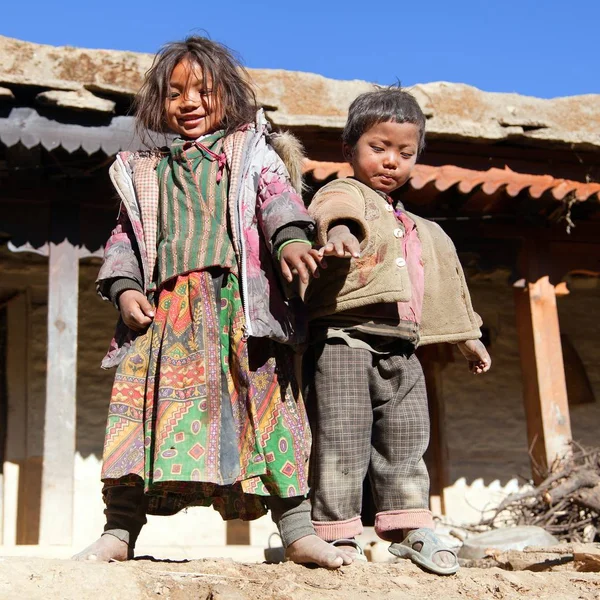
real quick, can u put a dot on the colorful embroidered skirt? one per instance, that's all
(202, 416)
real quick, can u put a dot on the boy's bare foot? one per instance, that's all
(311, 549)
(106, 548)
(442, 558)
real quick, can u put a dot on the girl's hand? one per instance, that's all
(301, 258)
(341, 242)
(135, 309)
(479, 359)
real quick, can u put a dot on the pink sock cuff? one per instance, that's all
(337, 530)
(390, 521)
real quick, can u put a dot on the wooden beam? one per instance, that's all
(29, 495)
(17, 387)
(3, 409)
(543, 375)
(56, 519)
(44, 250)
(481, 229)
(237, 533)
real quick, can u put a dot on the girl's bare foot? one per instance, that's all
(352, 547)
(106, 548)
(311, 549)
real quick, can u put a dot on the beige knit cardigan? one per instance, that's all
(380, 274)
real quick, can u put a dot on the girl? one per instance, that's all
(205, 408)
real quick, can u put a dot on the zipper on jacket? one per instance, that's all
(125, 201)
(247, 328)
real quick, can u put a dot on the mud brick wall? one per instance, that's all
(485, 419)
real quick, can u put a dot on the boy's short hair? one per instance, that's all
(383, 105)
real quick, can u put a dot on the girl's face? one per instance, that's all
(193, 108)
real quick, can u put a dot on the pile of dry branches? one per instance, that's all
(566, 503)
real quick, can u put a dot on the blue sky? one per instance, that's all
(543, 48)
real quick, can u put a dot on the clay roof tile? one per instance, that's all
(467, 180)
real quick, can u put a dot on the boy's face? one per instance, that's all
(384, 155)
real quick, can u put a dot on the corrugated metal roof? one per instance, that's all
(25, 125)
(469, 180)
(307, 100)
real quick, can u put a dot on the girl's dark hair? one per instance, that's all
(383, 105)
(217, 62)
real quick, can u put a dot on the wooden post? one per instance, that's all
(56, 518)
(17, 366)
(544, 387)
(237, 533)
(45, 484)
(23, 487)
(3, 409)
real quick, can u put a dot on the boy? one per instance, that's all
(393, 281)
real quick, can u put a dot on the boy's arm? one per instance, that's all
(341, 241)
(477, 356)
(339, 204)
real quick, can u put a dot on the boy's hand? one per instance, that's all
(135, 309)
(479, 359)
(301, 258)
(341, 242)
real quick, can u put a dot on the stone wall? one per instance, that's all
(484, 415)
(194, 529)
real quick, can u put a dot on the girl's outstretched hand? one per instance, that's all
(479, 359)
(299, 257)
(341, 242)
(135, 309)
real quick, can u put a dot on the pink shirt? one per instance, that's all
(411, 246)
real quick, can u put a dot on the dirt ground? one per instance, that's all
(145, 579)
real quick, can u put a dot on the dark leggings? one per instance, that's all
(126, 514)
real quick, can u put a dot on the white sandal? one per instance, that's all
(359, 555)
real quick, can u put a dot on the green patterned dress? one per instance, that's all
(199, 414)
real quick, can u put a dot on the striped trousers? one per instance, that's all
(369, 417)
